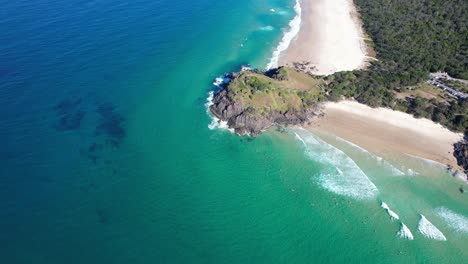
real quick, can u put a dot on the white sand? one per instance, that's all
(384, 131)
(422, 126)
(330, 37)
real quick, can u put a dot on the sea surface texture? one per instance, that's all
(107, 154)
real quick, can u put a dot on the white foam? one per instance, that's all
(340, 171)
(221, 80)
(428, 161)
(429, 230)
(278, 11)
(456, 221)
(300, 139)
(344, 177)
(395, 171)
(267, 28)
(218, 81)
(216, 123)
(294, 27)
(352, 144)
(411, 172)
(392, 214)
(405, 232)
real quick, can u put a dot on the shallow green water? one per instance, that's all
(148, 181)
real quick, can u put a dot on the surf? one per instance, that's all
(456, 221)
(394, 170)
(216, 123)
(340, 174)
(429, 230)
(392, 214)
(294, 27)
(266, 28)
(405, 232)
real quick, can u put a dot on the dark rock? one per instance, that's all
(279, 74)
(461, 154)
(244, 122)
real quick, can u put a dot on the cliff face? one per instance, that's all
(461, 153)
(252, 101)
(245, 121)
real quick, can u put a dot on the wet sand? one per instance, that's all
(382, 130)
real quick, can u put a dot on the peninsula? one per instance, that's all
(377, 94)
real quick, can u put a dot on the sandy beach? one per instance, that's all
(330, 37)
(382, 130)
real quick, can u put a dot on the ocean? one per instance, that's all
(108, 155)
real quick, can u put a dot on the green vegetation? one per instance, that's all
(424, 90)
(285, 90)
(418, 36)
(411, 38)
(462, 87)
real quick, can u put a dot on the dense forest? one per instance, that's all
(411, 38)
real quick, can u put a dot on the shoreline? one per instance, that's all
(330, 39)
(288, 36)
(379, 130)
(325, 45)
(388, 132)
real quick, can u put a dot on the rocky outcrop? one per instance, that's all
(245, 121)
(461, 153)
(251, 100)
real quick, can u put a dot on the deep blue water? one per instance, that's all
(106, 155)
(85, 88)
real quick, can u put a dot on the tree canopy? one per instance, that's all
(412, 38)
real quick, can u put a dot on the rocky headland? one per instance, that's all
(252, 100)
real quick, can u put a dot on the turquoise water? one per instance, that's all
(107, 157)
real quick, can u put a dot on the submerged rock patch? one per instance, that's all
(70, 121)
(110, 124)
(69, 113)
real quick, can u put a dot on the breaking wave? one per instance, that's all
(267, 28)
(429, 230)
(411, 172)
(428, 161)
(294, 27)
(392, 214)
(216, 123)
(394, 170)
(454, 220)
(405, 232)
(352, 144)
(343, 177)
